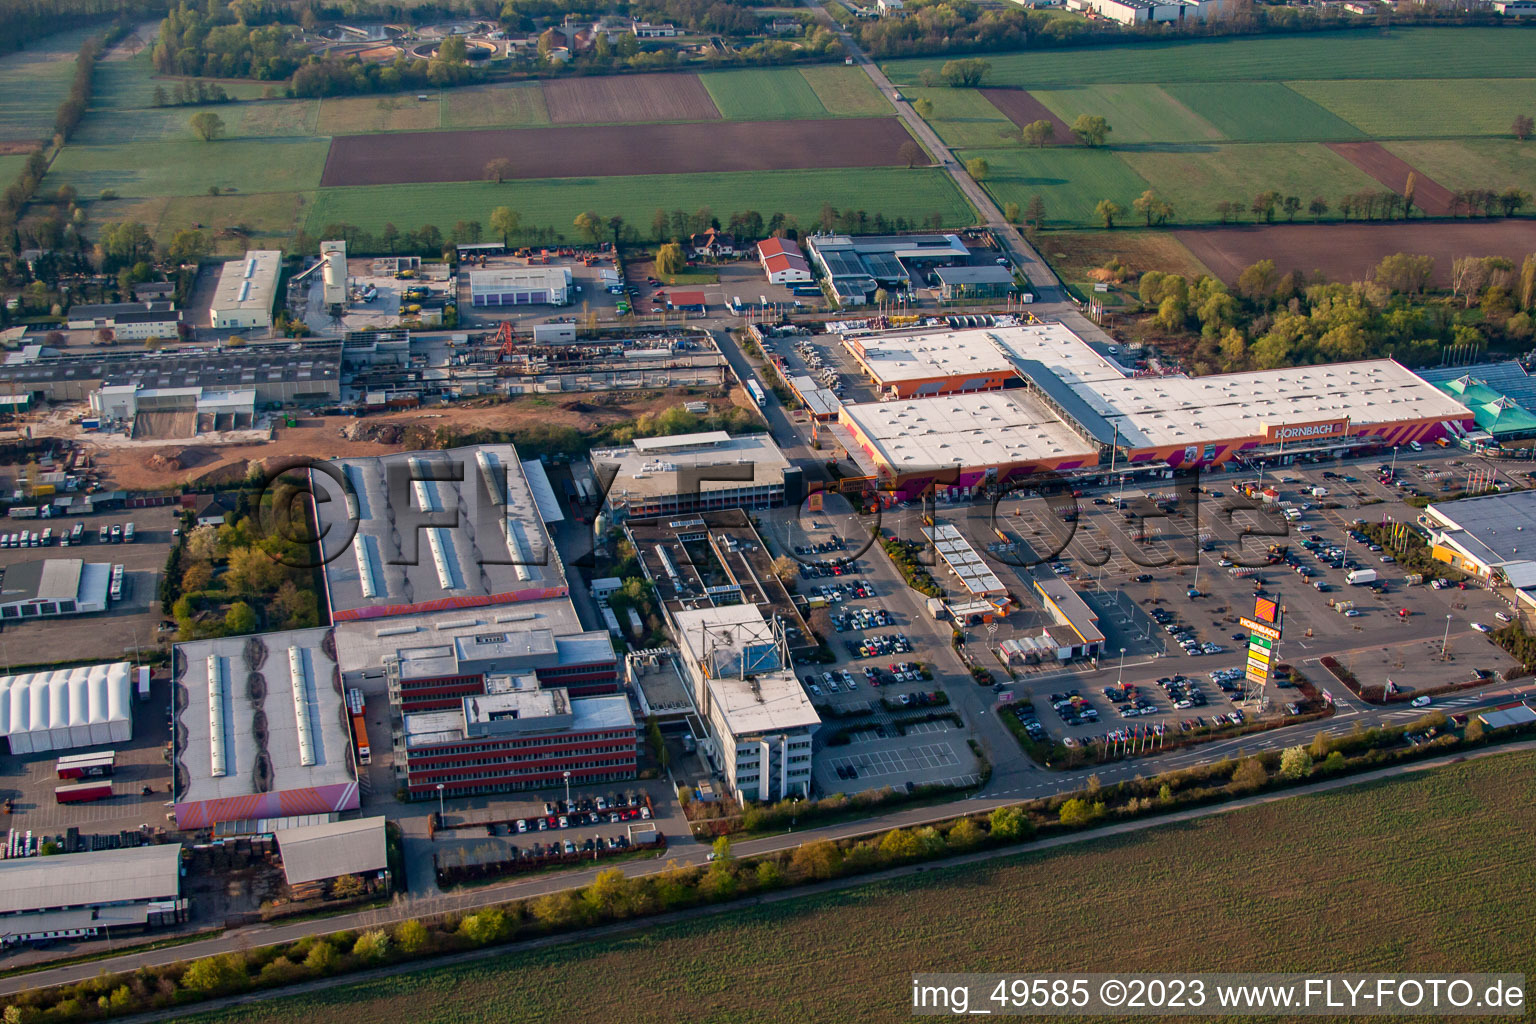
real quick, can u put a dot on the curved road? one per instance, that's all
(1047, 286)
(1025, 782)
(1052, 842)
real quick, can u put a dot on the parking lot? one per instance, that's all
(825, 360)
(28, 782)
(1177, 578)
(880, 692)
(128, 626)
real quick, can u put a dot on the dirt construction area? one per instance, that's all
(1349, 252)
(1022, 108)
(1431, 197)
(629, 98)
(340, 436)
(608, 150)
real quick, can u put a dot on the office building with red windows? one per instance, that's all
(517, 735)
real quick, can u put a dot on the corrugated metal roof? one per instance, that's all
(84, 879)
(313, 852)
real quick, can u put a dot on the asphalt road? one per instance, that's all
(1046, 285)
(235, 941)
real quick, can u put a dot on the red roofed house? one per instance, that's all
(783, 261)
(713, 244)
(687, 300)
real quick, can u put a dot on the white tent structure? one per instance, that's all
(71, 707)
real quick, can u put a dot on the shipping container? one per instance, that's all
(87, 766)
(83, 792)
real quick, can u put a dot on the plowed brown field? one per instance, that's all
(1349, 252)
(617, 99)
(607, 150)
(1021, 108)
(1429, 196)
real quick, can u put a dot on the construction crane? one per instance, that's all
(503, 339)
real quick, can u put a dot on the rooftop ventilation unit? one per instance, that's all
(300, 679)
(217, 767)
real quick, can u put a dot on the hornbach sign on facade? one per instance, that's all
(1304, 431)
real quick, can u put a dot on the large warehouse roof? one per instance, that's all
(1491, 528)
(499, 552)
(362, 645)
(291, 681)
(85, 879)
(682, 464)
(313, 852)
(923, 354)
(67, 707)
(990, 428)
(893, 358)
(249, 283)
(1157, 411)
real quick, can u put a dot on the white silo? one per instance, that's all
(335, 256)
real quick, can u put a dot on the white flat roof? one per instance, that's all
(1158, 411)
(671, 441)
(986, 428)
(893, 358)
(248, 283)
(647, 470)
(772, 701)
(362, 645)
(520, 277)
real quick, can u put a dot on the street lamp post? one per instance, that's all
(1445, 640)
(1121, 675)
(1394, 462)
(439, 803)
(567, 790)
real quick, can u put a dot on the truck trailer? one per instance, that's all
(1361, 576)
(83, 792)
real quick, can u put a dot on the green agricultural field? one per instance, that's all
(1416, 879)
(272, 118)
(1474, 163)
(845, 91)
(762, 94)
(367, 115)
(125, 84)
(10, 168)
(266, 220)
(1362, 53)
(519, 105)
(1428, 106)
(255, 120)
(191, 168)
(965, 119)
(33, 82)
(556, 202)
(1195, 178)
(1069, 179)
(1263, 112)
(1136, 113)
